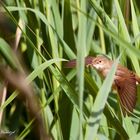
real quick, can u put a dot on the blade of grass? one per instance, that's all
(53, 17)
(99, 104)
(136, 137)
(135, 25)
(119, 40)
(68, 27)
(66, 48)
(26, 131)
(30, 78)
(7, 53)
(129, 127)
(81, 50)
(126, 36)
(111, 30)
(111, 117)
(102, 14)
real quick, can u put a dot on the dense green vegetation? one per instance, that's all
(40, 98)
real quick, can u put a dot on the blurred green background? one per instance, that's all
(37, 37)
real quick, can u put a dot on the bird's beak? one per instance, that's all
(89, 60)
(72, 63)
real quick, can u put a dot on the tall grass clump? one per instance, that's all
(41, 98)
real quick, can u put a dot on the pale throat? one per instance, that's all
(98, 66)
(103, 68)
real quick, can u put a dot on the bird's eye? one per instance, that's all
(100, 61)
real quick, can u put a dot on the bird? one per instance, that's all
(125, 81)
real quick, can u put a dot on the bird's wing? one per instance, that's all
(127, 90)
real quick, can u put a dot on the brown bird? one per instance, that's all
(125, 81)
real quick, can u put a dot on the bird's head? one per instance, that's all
(100, 62)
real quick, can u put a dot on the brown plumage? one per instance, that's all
(124, 82)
